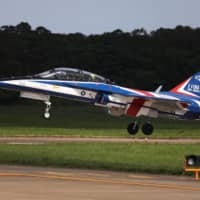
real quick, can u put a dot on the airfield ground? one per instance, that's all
(103, 143)
(111, 148)
(134, 157)
(68, 139)
(17, 182)
(83, 120)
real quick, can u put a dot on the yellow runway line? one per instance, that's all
(98, 175)
(72, 174)
(107, 181)
(165, 186)
(59, 173)
(140, 177)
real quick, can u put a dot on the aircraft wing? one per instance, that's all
(156, 105)
(139, 101)
(118, 90)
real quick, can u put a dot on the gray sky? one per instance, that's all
(98, 16)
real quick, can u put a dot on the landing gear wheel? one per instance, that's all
(47, 115)
(47, 109)
(133, 128)
(147, 128)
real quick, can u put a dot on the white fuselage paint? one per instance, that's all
(115, 101)
(76, 92)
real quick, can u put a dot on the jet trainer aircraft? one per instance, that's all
(181, 102)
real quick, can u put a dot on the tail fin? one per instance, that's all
(189, 87)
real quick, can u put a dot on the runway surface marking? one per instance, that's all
(106, 181)
(61, 139)
(137, 176)
(98, 175)
(60, 173)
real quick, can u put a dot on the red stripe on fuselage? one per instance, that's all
(145, 93)
(135, 107)
(185, 94)
(176, 89)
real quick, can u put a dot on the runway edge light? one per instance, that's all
(192, 164)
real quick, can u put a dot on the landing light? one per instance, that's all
(193, 161)
(192, 164)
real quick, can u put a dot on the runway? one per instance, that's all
(19, 182)
(60, 139)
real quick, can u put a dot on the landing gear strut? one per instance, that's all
(47, 109)
(133, 128)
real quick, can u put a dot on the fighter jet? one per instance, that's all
(182, 102)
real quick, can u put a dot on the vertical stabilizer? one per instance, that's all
(190, 87)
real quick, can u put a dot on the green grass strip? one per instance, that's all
(151, 158)
(83, 120)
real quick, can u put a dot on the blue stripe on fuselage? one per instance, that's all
(106, 88)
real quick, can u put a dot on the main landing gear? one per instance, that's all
(47, 109)
(133, 128)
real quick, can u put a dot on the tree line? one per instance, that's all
(135, 59)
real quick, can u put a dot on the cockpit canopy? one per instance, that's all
(72, 74)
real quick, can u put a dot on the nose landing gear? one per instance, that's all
(47, 109)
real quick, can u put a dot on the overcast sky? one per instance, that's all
(98, 16)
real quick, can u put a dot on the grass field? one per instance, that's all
(152, 158)
(81, 120)
(76, 119)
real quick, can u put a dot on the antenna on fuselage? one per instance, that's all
(159, 89)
